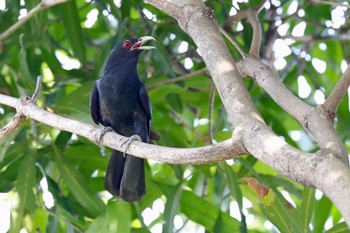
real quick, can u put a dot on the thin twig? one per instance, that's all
(36, 93)
(211, 109)
(234, 43)
(330, 3)
(175, 80)
(41, 6)
(338, 92)
(306, 38)
(252, 18)
(261, 6)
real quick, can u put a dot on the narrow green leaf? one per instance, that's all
(321, 213)
(24, 187)
(199, 210)
(171, 207)
(232, 179)
(40, 220)
(224, 224)
(118, 216)
(80, 188)
(102, 57)
(69, 217)
(74, 32)
(26, 182)
(306, 209)
(23, 71)
(100, 225)
(275, 212)
(205, 213)
(78, 185)
(339, 228)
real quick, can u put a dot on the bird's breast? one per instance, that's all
(117, 106)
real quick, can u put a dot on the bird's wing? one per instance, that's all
(147, 108)
(95, 104)
(145, 102)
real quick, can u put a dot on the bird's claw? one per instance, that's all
(103, 131)
(130, 140)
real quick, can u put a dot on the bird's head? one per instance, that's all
(132, 47)
(127, 52)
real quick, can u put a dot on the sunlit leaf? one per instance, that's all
(24, 187)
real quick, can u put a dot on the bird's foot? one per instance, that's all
(128, 142)
(103, 131)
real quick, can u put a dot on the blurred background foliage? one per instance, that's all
(52, 181)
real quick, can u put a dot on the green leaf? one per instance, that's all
(116, 219)
(79, 187)
(100, 225)
(224, 224)
(24, 187)
(23, 71)
(306, 208)
(171, 207)
(40, 220)
(321, 213)
(339, 228)
(275, 212)
(74, 32)
(119, 216)
(206, 213)
(236, 192)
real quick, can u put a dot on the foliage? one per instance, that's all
(38, 162)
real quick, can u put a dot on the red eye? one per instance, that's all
(127, 44)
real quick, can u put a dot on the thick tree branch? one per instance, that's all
(338, 92)
(314, 119)
(309, 169)
(224, 150)
(167, 7)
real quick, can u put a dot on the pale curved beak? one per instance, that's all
(139, 45)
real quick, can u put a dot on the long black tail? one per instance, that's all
(125, 177)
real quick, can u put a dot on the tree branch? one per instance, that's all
(338, 92)
(252, 18)
(307, 38)
(234, 43)
(41, 6)
(211, 109)
(167, 7)
(322, 170)
(224, 150)
(314, 119)
(179, 79)
(330, 3)
(19, 119)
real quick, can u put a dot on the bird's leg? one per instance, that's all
(128, 142)
(103, 131)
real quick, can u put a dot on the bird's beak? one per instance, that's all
(142, 40)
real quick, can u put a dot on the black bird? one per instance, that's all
(120, 102)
